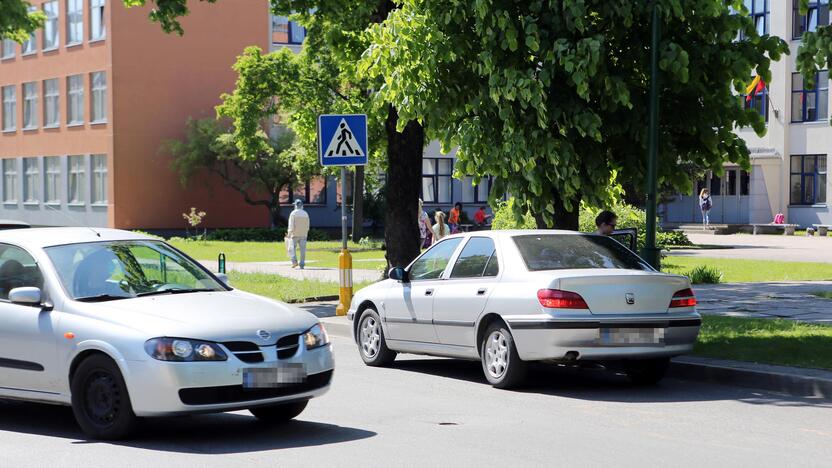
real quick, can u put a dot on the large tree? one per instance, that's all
(551, 97)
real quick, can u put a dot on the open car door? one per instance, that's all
(627, 237)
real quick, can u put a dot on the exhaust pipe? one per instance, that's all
(571, 356)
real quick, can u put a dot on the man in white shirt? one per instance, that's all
(297, 232)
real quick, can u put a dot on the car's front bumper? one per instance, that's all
(546, 337)
(159, 388)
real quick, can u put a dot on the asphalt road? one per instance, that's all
(438, 412)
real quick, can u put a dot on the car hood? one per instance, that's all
(214, 316)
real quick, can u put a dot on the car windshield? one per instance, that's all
(568, 251)
(102, 271)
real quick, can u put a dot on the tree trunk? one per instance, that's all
(564, 219)
(275, 218)
(358, 204)
(404, 170)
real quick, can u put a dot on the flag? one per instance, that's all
(757, 85)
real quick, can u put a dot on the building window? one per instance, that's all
(475, 193)
(8, 48)
(74, 21)
(312, 192)
(758, 102)
(286, 32)
(99, 179)
(31, 180)
(745, 182)
(52, 189)
(810, 105)
(10, 180)
(808, 179)
(436, 180)
(97, 29)
(30, 105)
(51, 117)
(9, 108)
(98, 108)
(77, 179)
(75, 99)
(817, 15)
(50, 27)
(31, 44)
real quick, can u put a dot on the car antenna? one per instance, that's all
(71, 219)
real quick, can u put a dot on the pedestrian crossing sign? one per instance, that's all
(342, 139)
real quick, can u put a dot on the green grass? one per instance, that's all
(746, 271)
(319, 254)
(769, 341)
(284, 289)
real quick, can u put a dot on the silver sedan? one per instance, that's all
(508, 298)
(121, 326)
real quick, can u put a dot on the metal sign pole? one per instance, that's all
(344, 259)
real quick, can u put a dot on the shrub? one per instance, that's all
(147, 234)
(318, 235)
(672, 238)
(248, 235)
(369, 244)
(705, 275)
(505, 218)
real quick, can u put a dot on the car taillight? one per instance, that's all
(557, 299)
(683, 298)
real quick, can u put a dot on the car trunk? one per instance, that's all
(624, 292)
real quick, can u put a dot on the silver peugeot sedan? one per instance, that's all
(122, 326)
(508, 298)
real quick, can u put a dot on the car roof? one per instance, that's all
(520, 232)
(47, 237)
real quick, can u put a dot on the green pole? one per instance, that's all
(651, 253)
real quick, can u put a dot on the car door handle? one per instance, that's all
(428, 292)
(481, 291)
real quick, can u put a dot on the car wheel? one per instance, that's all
(500, 362)
(371, 345)
(278, 413)
(100, 401)
(646, 371)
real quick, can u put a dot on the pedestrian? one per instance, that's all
(297, 232)
(605, 222)
(425, 229)
(705, 205)
(453, 219)
(480, 217)
(440, 229)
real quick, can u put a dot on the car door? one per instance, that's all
(408, 310)
(463, 296)
(27, 339)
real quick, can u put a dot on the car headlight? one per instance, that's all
(315, 337)
(183, 350)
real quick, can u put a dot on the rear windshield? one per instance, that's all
(564, 251)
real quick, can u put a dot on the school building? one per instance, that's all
(789, 164)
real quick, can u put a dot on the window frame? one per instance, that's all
(290, 40)
(30, 102)
(54, 20)
(821, 86)
(98, 10)
(74, 14)
(47, 96)
(451, 259)
(755, 13)
(481, 276)
(12, 103)
(104, 174)
(814, 5)
(81, 183)
(289, 193)
(101, 91)
(30, 47)
(814, 176)
(5, 53)
(31, 188)
(14, 193)
(49, 173)
(75, 94)
(3, 247)
(435, 177)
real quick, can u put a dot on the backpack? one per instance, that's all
(706, 204)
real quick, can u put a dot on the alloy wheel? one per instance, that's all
(370, 337)
(496, 354)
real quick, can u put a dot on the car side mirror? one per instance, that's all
(25, 296)
(224, 278)
(398, 274)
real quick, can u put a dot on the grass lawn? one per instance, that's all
(745, 271)
(768, 341)
(284, 289)
(324, 254)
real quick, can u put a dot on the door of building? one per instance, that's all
(730, 196)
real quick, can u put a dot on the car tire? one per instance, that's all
(100, 401)
(501, 364)
(280, 413)
(370, 339)
(646, 371)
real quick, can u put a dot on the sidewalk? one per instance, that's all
(761, 247)
(310, 272)
(788, 300)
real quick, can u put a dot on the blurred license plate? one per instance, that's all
(269, 377)
(632, 336)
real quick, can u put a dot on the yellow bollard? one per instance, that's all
(345, 280)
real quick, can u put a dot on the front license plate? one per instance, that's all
(632, 336)
(270, 377)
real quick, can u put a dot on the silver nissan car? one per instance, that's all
(122, 326)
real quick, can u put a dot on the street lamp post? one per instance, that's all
(650, 252)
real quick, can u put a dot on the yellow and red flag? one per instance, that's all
(757, 85)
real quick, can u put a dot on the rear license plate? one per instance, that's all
(270, 377)
(632, 336)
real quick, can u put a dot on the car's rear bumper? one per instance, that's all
(168, 388)
(553, 338)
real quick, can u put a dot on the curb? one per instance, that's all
(794, 381)
(304, 300)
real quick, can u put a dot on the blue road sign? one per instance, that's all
(342, 140)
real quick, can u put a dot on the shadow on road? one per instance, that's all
(606, 385)
(201, 434)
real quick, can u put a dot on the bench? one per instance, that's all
(788, 229)
(822, 229)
